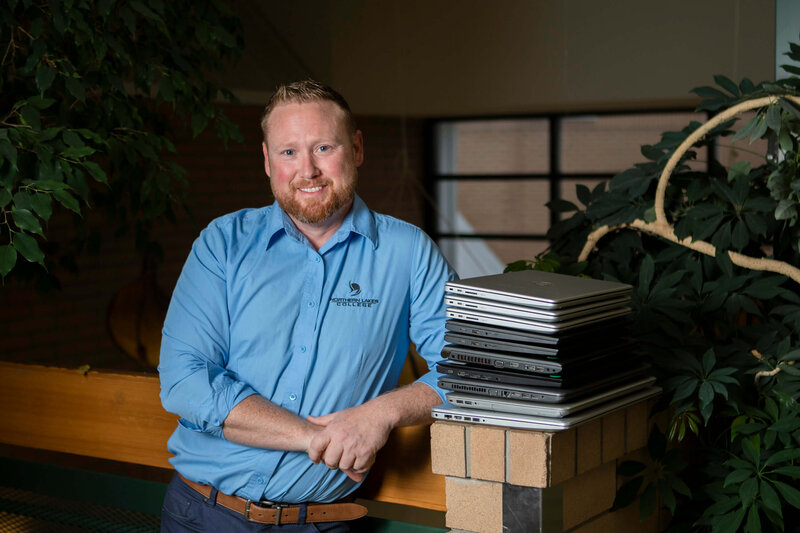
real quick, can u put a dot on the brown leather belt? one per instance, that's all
(278, 513)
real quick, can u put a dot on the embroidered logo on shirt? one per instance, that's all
(355, 290)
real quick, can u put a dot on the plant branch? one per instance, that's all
(768, 373)
(662, 228)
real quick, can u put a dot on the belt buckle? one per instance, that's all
(278, 507)
(266, 504)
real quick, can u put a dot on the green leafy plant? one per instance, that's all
(712, 254)
(660, 479)
(90, 94)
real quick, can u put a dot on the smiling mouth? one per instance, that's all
(311, 189)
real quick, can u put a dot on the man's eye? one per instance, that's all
(324, 148)
(288, 152)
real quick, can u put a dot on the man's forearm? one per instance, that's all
(259, 423)
(407, 406)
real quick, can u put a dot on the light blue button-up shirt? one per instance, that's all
(257, 310)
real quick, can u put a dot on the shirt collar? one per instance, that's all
(358, 220)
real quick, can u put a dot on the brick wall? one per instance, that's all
(567, 479)
(68, 327)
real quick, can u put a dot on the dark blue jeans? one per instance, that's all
(186, 510)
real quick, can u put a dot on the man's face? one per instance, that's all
(311, 160)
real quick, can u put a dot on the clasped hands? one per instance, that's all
(348, 439)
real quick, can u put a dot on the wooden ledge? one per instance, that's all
(118, 416)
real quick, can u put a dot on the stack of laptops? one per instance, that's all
(539, 350)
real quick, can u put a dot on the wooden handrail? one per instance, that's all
(118, 416)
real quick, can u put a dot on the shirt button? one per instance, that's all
(311, 304)
(260, 480)
(293, 396)
(317, 259)
(302, 349)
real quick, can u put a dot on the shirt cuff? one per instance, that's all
(431, 379)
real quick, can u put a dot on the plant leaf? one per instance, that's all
(709, 360)
(67, 200)
(773, 117)
(684, 391)
(27, 221)
(95, 171)
(794, 355)
(791, 471)
(789, 493)
(751, 453)
(44, 77)
(42, 205)
(748, 491)
(753, 523)
(745, 131)
(627, 493)
(770, 498)
(5, 197)
(737, 476)
(76, 88)
(730, 522)
(8, 258)
(727, 84)
(28, 248)
(647, 503)
(667, 496)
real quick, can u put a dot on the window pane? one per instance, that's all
(496, 147)
(494, 206)
(480, 257)
(612, 143)
(510, 250)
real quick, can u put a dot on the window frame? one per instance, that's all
(556, 178)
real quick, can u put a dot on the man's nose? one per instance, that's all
(308, 166)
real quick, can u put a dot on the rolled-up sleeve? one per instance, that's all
(195, 383)
(431, 271)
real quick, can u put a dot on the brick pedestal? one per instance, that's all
(501, 480)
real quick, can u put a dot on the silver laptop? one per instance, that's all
(605, 332)
(533, 325)
(557, 410)
(514, 420)
(544, 315)
(543, 290)
(542, 392)
(569, 352)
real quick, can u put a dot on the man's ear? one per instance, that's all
(358, 147)
(266, 157)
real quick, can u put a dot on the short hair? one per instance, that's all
(302, 92)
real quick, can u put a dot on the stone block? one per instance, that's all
(448, 449)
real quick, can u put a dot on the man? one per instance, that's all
(287, 332)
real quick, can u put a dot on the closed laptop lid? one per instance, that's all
(545, 290)
(545, 315)
(527, 324)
